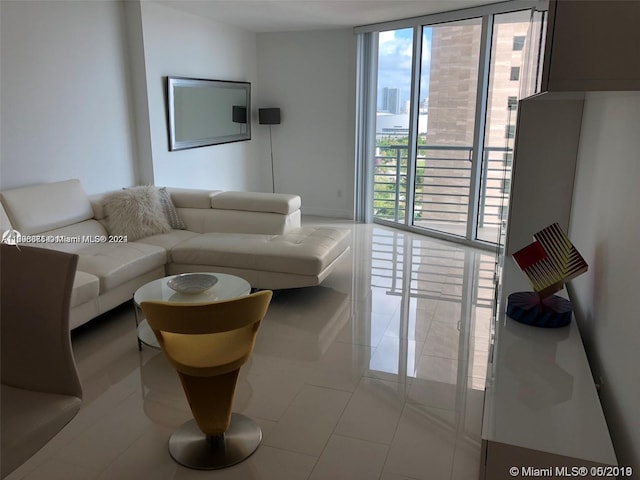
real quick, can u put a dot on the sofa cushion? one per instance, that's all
(73, 237)
(116, 263)
(168, 240)
(256, 202)
(135, 213)
(305, 251)
(237, 221)
(192, 198)
(48, 206)
(85, 287)
(169, 210)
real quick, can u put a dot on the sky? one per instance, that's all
(395, 51)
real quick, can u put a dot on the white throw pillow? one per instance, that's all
(169, 210)
(136, 212)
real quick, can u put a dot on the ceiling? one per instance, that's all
(293, 15)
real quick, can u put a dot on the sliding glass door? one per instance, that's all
(444, 161)
(445, 97)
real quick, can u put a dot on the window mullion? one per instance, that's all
(365, 124)
(414, 104)
(479, 126)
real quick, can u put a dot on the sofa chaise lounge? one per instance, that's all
(256, 236)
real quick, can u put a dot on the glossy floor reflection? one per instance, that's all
(377, 374)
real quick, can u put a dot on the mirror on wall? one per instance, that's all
(207, 112)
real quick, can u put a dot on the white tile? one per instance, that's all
(365, 328)
(350, 459)
(373, 411)
(413, 324)
(443, 340)
(147, 457)
(431, 393)
(301, 325)
(54, 469)
(309, 422)
(395, 356)
(269, 463)
(271, 394)
(341, 367)
(466, 460)
(393, 476)
(423, 446)
(339, 389)
(109, 437)
(380, 301)
(448, 311)
(439, 369)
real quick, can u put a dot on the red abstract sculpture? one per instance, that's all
(549, 262)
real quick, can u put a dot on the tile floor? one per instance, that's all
(376, 374)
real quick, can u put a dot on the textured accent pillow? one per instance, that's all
(135, 212)
(170, 211)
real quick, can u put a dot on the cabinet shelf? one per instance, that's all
(541, 405)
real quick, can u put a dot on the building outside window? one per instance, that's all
(422, 173)
(518, 42)
(508, 159)
(510, 131)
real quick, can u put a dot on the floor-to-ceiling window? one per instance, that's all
(443, 183)
(445, 90)
(393, 100)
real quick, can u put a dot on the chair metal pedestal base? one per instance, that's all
(192, 448)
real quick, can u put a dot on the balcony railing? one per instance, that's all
(442, 184)
(437, 271)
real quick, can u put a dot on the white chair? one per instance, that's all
(41, 391)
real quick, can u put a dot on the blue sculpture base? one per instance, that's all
(530, 309)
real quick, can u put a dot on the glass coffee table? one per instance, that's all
(226, 288)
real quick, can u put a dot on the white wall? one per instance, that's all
(185, 45)
(83, 97)
(138, 91)
(605, 227)
(64, 89)
(311, 77)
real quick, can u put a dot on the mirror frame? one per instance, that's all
(172, 83)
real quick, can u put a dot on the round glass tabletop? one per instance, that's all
(226, 288)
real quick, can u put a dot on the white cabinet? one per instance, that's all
(592, 45)
(542, 409)
(545, 155)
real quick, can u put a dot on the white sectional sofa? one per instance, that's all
(253, 235)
